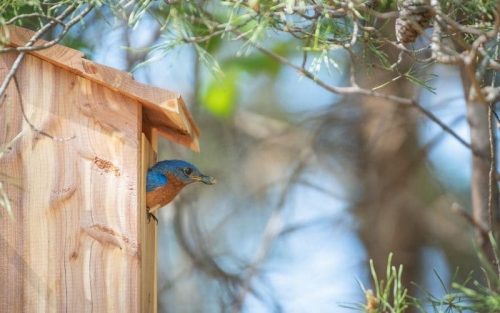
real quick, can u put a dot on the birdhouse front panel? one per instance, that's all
(72, 175)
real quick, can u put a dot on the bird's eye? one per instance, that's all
(188, 171)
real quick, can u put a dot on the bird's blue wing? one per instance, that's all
(155, 180)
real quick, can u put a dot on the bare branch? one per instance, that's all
(23, 50)
(29, 15)
(30, 43)
(456, 208)
(27, 120)
(272, 230)
(353, 90)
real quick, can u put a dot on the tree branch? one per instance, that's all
(29, 45)
(356, 90)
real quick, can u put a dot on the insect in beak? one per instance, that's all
(207, 180)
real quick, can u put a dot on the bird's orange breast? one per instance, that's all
(163, 195)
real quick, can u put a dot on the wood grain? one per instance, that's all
(74, 245)
(165, 110)
(11, 240)
(148, 233)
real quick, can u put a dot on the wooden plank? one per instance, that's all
(11, 233)
(151, 130)
(185, 140)
(151, 134)
(74, 244)
(148, 233)
(165, 109)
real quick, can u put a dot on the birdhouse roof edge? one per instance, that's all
(169, 108)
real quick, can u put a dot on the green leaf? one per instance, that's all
(254, 64)
(221, 95)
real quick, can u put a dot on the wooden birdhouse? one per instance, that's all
(83, 137)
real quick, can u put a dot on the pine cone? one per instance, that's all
(414, 17)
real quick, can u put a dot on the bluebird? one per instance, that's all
(166, 179)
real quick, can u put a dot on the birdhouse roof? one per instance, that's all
(163, 110)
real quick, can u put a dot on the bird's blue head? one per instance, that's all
(184, 171)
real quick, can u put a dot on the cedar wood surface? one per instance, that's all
(148, 235)
(75, 242)
(164, 110)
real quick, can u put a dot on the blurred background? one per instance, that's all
(311, 185)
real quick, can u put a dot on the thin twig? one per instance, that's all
(45, 45)
(495, 114)
(273, 230)
(20, 57)
(28, 15)
(471, 220)
(355, 90)
(493, 183)
(493, 187)
(29, 45)
(32, 126)
(304, 59)
(492, 173)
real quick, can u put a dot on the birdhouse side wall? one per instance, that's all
(73, 242)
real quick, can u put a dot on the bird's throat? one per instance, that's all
(163, 195)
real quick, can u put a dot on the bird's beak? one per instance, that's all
(207, 180)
